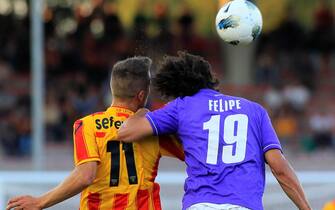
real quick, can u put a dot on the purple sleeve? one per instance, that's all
(269, 137)
(164, 120)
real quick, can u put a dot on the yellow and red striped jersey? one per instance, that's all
(329, 206)
(126, 171)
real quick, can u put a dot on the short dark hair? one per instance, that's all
(130, 76)
(184, 75)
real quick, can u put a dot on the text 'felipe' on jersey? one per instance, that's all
(126, 171)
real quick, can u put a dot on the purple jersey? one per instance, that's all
(224, 139)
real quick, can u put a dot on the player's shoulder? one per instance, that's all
(242, 100)
(91, 118)
(253, 106)
(251, 103)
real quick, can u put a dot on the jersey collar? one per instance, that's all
(121, 109)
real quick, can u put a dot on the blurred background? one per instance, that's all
(290, 70)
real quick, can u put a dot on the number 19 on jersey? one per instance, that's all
(235, 129)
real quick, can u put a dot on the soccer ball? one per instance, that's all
(239, 22)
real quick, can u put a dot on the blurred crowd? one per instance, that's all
(296, 67)
(294, 71)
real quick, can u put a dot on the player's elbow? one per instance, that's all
(87, 179)
(282, 170)
(279, 172)
(86, 173)
(278, 163)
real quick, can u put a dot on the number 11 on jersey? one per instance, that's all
(234, 133)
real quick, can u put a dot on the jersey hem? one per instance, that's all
(153, 125)
(203, 200)
(272, 146)
(88, 160)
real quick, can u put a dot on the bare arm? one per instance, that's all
(135, 127)
(80, 178)
(287, 178)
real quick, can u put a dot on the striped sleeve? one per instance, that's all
(85, 146)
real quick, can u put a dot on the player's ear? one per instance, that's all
(141, 96)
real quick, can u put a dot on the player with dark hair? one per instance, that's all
(227, 140)
(112, 175)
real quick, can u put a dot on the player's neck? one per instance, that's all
(125, 104)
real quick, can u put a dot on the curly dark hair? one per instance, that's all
(184, 75)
